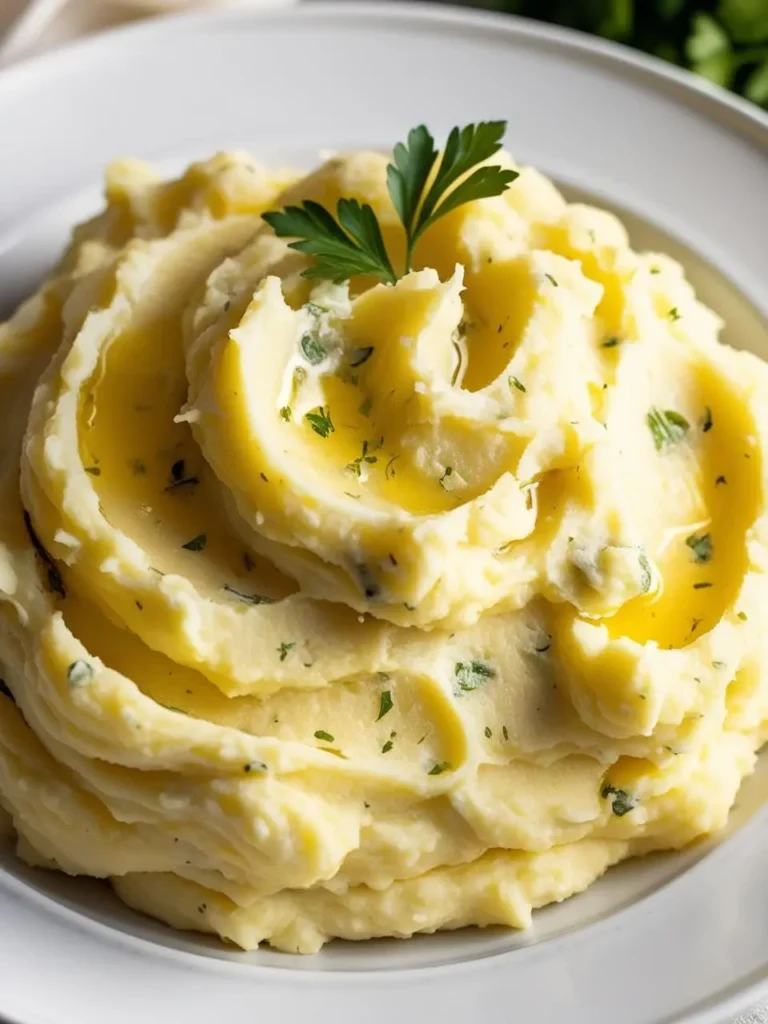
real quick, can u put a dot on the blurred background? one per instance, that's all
(725, 41)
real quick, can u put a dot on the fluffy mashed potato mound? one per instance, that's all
(365, 610)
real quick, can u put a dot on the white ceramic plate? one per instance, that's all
(672, 938)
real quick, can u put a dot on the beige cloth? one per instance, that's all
(50, 23)
(75, 18)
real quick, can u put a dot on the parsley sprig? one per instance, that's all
(352, 242)
(350, 245)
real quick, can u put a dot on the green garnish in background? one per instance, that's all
(352, 243)
(726, 41)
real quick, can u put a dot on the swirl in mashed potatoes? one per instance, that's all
(364, 610)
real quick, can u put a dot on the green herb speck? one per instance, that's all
(385, 704)
(701, 546)
(320, 421)
(622, 802)
(312, 349)
(285, 649)
(469, 675)
(358, 356)
(666, 427)
(197, 543)
(79, 672)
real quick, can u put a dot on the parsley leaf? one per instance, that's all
(321, 734)
(351, 242)
(466, 148)
(666, 427)
(348, 245)
(438, 769)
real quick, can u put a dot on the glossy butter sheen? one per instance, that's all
(367, 610)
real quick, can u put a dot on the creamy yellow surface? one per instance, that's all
(367, 610)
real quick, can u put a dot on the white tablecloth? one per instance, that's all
(80, 17)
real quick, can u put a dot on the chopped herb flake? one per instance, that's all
(469, 675)
(515, 383)
(743, 616)
(320, 421)
(387, 747)
(285, 413)
(488, 732)
(666, 427)
(180, 477)
(610, 343)
(197, 543)
(646, 576)
(385, 705)
(358, 356)
(701, 546)
(459, 361)
(720, 480)
(248, 598)
(55, 579)
(701, 586)
(446, 473)
(440, 767)
(622, 802)
(551, 280)
(285, 649)
(364, 457)
(706, 422)
(312, 349)
(674, 314)
(79, 672)
(321, 734)
(254, 766)
(93, 470)
(504, 732)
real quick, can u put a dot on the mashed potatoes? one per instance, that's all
(360, 610)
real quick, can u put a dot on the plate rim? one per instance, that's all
(727, 108)
(694, 87)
